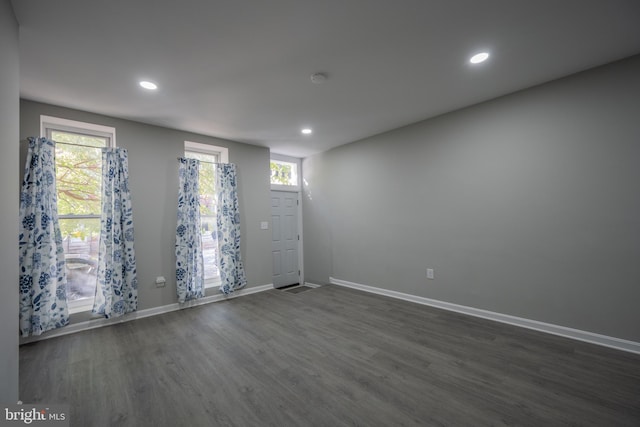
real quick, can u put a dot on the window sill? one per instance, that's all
(80, 306)
(212, 283)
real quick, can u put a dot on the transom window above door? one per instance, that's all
(284, 172)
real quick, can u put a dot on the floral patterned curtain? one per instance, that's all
(117, 289)
(43, 299)
(189, 257)
(230, 264)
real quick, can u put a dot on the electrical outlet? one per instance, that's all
(430, 274)
(160, 282)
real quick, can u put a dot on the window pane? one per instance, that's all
(208, 219)
(209, 246)
(211, 158)
(284, 173)
(79, 139)
(80, 241)
(207, 189)
(207, 212)
(78, 179)
(79, 187)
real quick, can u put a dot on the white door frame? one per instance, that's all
(294, 189)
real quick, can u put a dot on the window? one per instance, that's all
(208, 155)
(284, 173)
(79, 188)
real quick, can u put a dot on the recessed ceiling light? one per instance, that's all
(479, 57)
(306, 131)
(148, 85)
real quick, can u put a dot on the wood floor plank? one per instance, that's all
(329, 356)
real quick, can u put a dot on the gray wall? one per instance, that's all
(9, 185)
(153, 176)
(527, 205)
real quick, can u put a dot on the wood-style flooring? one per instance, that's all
(330, 356)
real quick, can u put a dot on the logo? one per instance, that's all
(36, 415)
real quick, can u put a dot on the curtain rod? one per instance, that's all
(77, 145)
(201, 161)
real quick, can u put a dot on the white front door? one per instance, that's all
(284, 220)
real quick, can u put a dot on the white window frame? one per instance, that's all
(198, 147)
(48, 124)
(222, 153)
(281, 158)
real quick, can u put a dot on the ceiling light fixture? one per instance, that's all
(148, 85)
(306, 131)
(479, 57)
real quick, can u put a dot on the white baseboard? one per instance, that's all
(576, 334)
(98, 323)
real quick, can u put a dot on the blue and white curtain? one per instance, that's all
(43, 300)
(117, 288)
(230, 264)
(189, 257)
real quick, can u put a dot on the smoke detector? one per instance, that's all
(318, 78)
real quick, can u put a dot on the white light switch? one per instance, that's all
(264, 225)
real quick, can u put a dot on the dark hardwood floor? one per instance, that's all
(329, 356)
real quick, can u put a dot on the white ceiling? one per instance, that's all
(240, 69)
